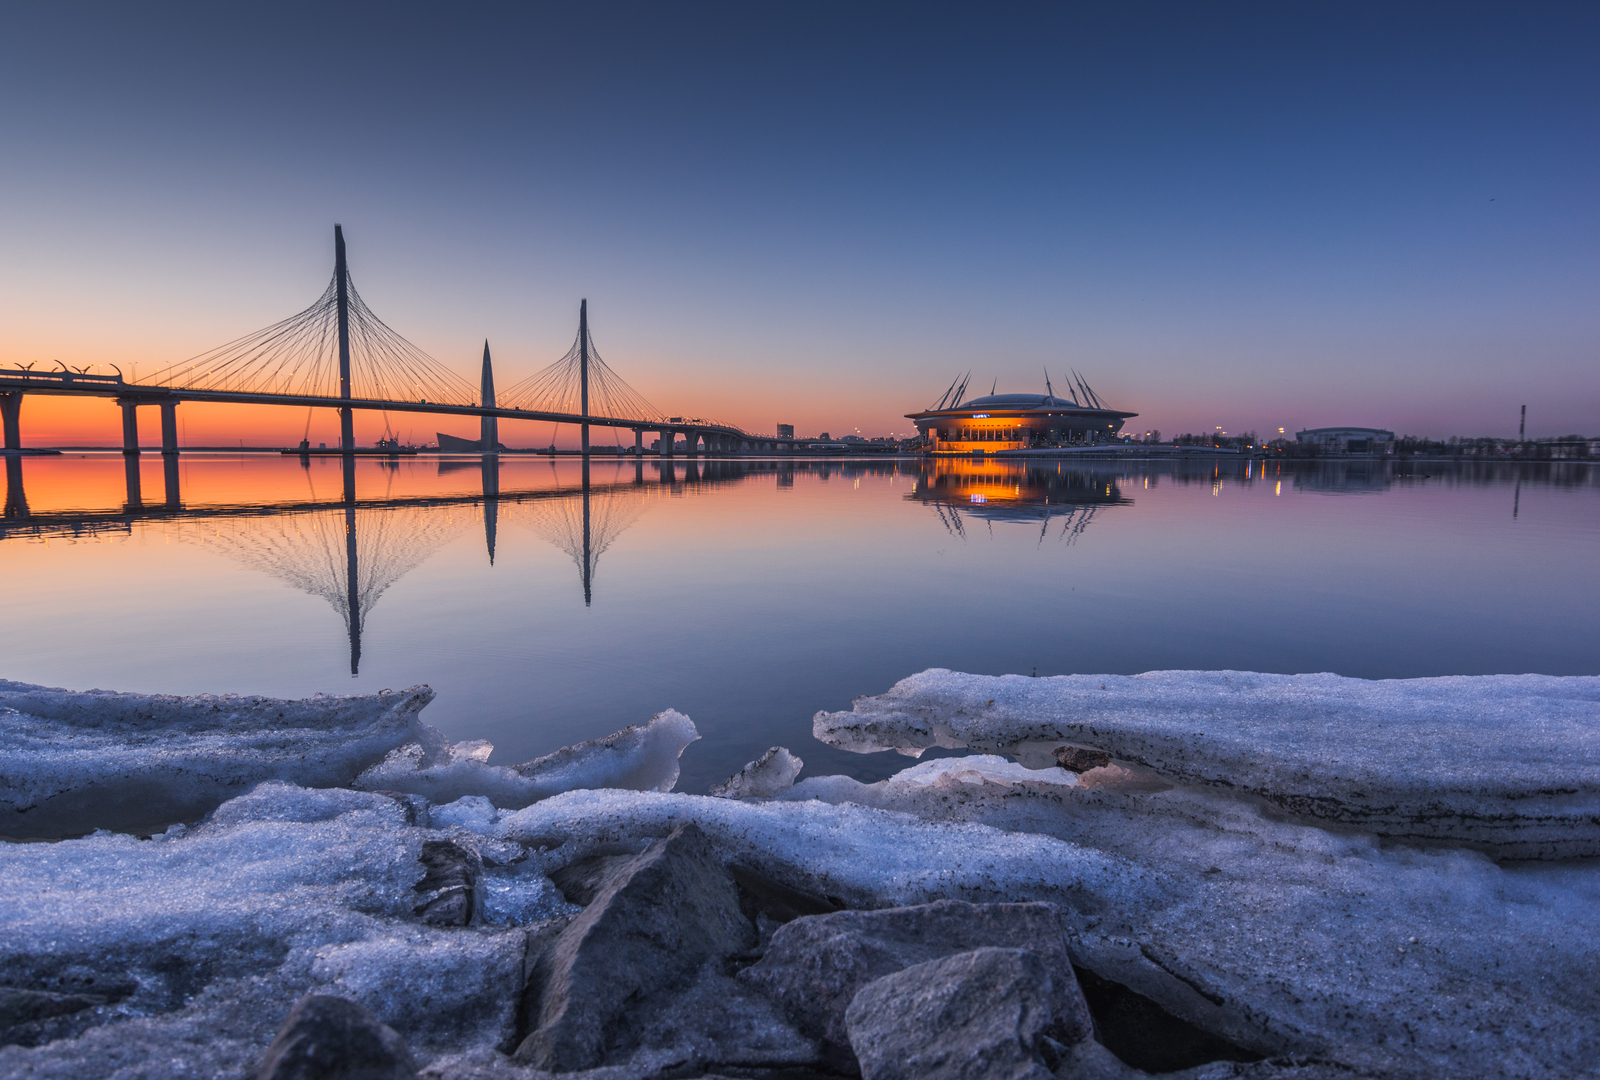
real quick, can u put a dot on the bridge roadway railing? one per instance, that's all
(16, 382)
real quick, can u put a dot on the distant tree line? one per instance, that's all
(1567, 447)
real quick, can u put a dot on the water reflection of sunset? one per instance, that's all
(98, 481)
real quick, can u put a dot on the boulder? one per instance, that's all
(713, 1023)
(449, 889)
(1081, 758)
(654, 923)
(581, 880)
(329, 1038)
(989, 1014)
(815, 966)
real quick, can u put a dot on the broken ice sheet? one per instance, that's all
(638, 758)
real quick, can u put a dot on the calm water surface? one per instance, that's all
(749, 594)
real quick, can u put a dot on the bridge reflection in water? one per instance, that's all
(992, 491)
(349, 551)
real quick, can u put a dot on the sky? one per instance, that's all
(1234, 216)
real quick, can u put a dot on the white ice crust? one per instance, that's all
(72, 762)
(1509, 764)
(639, 758)
(976, 768)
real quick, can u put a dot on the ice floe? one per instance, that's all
(73, 762)
(1507, 764)
(639, 758)
(768, 775)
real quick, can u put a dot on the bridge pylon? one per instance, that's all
(341, 278)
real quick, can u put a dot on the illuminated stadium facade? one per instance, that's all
(1017, 421)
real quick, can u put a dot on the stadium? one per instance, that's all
(988, 425)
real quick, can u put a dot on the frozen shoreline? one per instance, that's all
(1183, 871)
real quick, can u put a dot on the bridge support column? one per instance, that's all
(638, 443)
(169, 427)
(130, 431)
(11, 414)
(691, 443)
(667, 439)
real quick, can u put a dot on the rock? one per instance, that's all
(653, 923)
(767, 776)
(1081, 758)
(1146, 1036)
(27, 1006)
(329, 1038)
(814, 966)
(581, 880)
(450, 886)
(989, 1014)
(715, 1022)
(24, 1013)
(762, 894)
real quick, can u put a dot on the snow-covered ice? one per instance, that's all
(222, 927)
(74, 762)
(1507, 764)
(1237, 863)
(639, 758)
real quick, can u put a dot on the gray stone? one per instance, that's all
(989, 1014)
(450, 887)
(714, 1022)
(329, 1038)
(25, 1015)
(581, 880)
(653, 923)
(1080, 758)
(814, 966)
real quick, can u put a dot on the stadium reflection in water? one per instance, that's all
(991, 490)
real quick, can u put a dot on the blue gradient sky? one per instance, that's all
(1249, 216)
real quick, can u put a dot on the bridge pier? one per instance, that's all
(691, 442)
(169, 428)
(11, 414)
(667, 439)
(130, 436)
(638, 444)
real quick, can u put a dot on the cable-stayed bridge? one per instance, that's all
(337, 354)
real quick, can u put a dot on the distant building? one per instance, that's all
(1348, 440)
(1017, 422)
(785, 431)
(824, 437)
